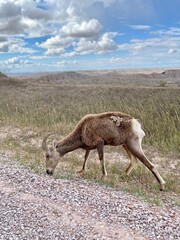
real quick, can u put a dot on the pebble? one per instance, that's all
(36, 206)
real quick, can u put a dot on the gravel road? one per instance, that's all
(36, 206)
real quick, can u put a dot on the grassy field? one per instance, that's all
(46, 107)
(53, 107)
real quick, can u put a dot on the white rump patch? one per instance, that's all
(136, 128)
(117, 120)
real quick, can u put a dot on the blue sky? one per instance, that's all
(64, 35)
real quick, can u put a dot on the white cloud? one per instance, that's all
(31, 17)
(38, 57)
(156, 52)
(14, 60)
(63, 62)
(18, 45)
(172, 31)
(55, 42)
(70, 54)
(56, 45)
(140, 27)
(72, 37)
(104, 44)
(20, 17)
(4, 47)
(36, 14)
(14, 45)
(52, 51)
(29, 23)
(74, 11)
(84, 29)
(171, 51)
(85, 46)
(8, 9)
(158, 44)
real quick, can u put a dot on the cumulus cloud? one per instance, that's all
(8, 9)
(27, 16)
(14, 45)
(14, 60)
(20, 17)
(79, 46)
(56, 44)
(52, 51)
(84, 29)
(104, 44)
(85, 46)
(32, 18)
(80, 38)
(18, 45)
(74, 11)
(16, 63)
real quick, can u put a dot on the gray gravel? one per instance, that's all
(36, 206)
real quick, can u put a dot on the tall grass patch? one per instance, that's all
(59, 108)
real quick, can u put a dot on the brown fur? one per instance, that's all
(96, 127)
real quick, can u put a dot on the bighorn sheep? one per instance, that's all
(96, 130)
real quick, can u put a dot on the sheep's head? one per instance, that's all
(51, 155)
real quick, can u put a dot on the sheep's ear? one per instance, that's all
(55, 142)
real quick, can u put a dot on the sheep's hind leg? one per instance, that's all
(133, 161)
(135, 147)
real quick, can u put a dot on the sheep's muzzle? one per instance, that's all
(49, 172)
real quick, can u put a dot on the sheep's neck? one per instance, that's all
(69, 143)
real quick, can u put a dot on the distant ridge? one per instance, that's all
(172, 73)
(3, 76)
(122, 77)
(72, 75)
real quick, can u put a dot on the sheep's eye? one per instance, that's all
(47, 155)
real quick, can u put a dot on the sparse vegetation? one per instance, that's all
(46, 107)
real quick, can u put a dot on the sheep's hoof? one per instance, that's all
(103, 177)
(81, 172)
(163, 186)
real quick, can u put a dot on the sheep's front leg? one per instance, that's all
(81, 172)
(100, 149)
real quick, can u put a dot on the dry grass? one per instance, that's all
(59, 108)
